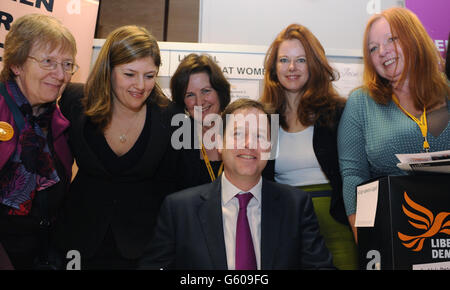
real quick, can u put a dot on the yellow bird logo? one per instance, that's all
(423, 219)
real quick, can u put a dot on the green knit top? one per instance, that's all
(369, 136)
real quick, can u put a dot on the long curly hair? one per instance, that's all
(320, 100)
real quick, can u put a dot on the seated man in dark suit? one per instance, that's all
(239, 221)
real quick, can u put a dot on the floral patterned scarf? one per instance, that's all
(31, 166)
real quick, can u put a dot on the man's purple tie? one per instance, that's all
(245, 252)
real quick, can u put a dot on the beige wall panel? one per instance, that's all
(183, 21)
(115, 13)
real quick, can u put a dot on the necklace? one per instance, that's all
(123, 136)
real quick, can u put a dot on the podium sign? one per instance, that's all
(412, 225)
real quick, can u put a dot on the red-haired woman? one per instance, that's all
(298, 85)
(402, 107)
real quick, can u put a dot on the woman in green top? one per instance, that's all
(402, 84)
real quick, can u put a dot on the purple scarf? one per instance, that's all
(31, 167)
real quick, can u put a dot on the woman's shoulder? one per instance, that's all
(357, 104)
(73, 91)
(167, 110)
(174, 109)
(165, 113)
(360, 98)
(167, 106)
(71, 97)
(358, 94)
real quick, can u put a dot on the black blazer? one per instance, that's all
(325, 149)
(128, 203)
(189, 233)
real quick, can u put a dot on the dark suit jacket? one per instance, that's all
(325, 149)
(128, 202)
(189, 233)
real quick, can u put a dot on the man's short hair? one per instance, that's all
(244, 103)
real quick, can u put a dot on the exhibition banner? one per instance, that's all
(80, 16)
(434, 16)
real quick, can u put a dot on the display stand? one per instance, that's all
(412, 224)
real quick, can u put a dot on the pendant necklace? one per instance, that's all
(123, 136)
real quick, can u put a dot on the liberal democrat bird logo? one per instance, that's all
(423, 219)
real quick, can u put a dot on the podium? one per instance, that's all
(412, 225)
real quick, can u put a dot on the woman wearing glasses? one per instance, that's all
(35, 160)
(402, 107)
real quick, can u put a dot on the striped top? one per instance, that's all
(369, 136)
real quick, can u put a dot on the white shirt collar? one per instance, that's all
(229, 190)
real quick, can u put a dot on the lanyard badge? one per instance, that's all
(421, 122)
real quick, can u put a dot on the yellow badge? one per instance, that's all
(6, 131)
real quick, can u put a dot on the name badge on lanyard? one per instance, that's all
(422, 123)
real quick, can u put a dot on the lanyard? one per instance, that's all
(208, 165)
(422, 123)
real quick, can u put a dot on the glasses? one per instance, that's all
(388, 43)
(51, 64)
